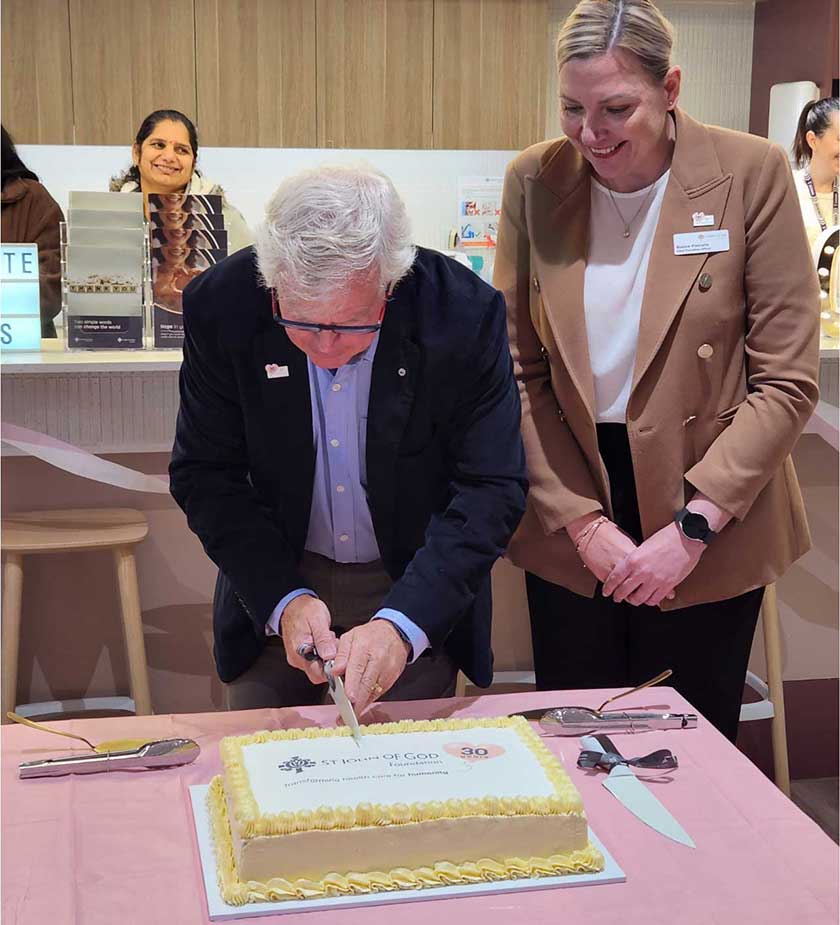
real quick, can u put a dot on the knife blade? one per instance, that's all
(623, 784)
(345, 708)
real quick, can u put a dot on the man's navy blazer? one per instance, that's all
(445, 465)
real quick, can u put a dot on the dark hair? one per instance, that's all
(815, 117)
(147, 126)
(13, 167)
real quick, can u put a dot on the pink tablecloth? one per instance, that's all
(120, 849)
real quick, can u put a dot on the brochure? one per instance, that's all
(173, 268)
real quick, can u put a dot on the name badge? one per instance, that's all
(701, 242)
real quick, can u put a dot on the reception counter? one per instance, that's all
(119, 401)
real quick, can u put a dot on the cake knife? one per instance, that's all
(623, 784)
(345, 708)
(336, 688)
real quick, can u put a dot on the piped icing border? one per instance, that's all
(238, 892)
(252, 824)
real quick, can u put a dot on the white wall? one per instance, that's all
(427, 180)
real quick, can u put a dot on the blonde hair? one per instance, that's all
(596, 26)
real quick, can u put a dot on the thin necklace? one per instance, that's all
(626, 232)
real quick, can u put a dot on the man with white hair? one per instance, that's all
(347, 450)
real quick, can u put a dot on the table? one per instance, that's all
(120, 848)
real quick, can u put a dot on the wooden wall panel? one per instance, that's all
(255, 65)
(375, 73)
(490, 72)
(130, 57)
(36, 96)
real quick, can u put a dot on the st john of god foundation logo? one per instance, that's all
(296, 764)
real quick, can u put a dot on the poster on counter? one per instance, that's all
(104, 297)
(187, 236)
(173, 268)
(192, 221)
(479, 208)
(195, 239)
(185, 202)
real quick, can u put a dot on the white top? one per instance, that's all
(614, 286)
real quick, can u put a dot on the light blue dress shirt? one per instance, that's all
(340, 524)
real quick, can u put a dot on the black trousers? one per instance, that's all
(582, 642)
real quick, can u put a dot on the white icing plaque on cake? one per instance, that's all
(304, 774)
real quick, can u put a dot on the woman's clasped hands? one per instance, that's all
(643, 574)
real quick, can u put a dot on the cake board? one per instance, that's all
(219, 910)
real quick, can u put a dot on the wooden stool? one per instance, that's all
(772, 706)
(38, 532)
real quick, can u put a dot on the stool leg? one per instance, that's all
(133, 625)
(773, 654)
(460, 684)
(12, 593)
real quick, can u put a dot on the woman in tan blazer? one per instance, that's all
(663, 319)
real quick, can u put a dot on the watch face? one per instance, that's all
(695, 526)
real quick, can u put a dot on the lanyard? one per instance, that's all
(813, 193)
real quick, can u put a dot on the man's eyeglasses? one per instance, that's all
(313, 328)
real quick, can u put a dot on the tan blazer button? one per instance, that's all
(705, 282)
(705, 351)
(536, 283)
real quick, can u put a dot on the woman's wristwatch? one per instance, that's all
(694, 526)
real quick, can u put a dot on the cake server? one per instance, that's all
(165, 753)
(623, 784)
(577, 721)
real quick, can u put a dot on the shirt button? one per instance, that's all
(705, 351)
(344, 537)
(336, 387)
(334, 442)
(401, 371)
(339, 488)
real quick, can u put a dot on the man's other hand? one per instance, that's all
(371, 658)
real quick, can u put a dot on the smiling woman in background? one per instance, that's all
(164, 156)
(816, 151)
(663, 321)
(31, 216)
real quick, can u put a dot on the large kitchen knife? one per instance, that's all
(345, 708)
(336, 688)
(623, 784)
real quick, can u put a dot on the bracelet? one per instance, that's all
(585, 535)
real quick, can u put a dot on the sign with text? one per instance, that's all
(20, 297)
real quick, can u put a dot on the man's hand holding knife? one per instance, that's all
(370, 657)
